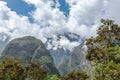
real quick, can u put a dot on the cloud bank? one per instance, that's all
(49, 21)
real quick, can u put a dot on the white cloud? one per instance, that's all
(72, 2)
(49, 22)
(67, 44)
(83, 15)
(63, 42)
(13, 24)
(35, 2)
(113, 10)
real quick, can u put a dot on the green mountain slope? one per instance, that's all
(30, 49)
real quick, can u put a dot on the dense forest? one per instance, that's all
(103, 53)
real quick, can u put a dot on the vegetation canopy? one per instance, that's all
(104, 51)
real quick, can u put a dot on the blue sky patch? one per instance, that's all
(19, 6)
(22, 8)
(64, 7)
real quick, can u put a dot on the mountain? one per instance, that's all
(74, 62)
(76, 59)
(4, 38)
(58, 55)
(63, 65)
(30, 49)
(64, 60)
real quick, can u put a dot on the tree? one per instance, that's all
(53, 77)
(14, 70)
(34, 71)
(11, 70)
(104, 51)
(111, 70)
(75, 76)
(107, 36)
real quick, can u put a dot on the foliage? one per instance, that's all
(75, 76)
(53, 77)
(35, 72)
(13, 70)
(114, 54)
(107, 36)
(104, 51)
(111, 71)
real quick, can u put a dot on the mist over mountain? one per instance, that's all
(31, 49)
(48, 19)
(4, 38)
(66, 41)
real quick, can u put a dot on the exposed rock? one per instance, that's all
(73, 62)
(58, 55)
(30, 49)
(76, 60)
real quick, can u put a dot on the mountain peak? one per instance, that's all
(28, 49)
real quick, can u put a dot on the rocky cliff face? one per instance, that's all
(76, 59)
(4, 38)
(63, 65)
(30, 49)
(58, 55)
(73, 62)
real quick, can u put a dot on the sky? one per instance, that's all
(46, 19)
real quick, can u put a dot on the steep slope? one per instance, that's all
(76, 59)
(30, 49)
(58, 55)
(63, 65)
(4, 38)
(74, 62)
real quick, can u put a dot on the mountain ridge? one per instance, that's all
(28, 49)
